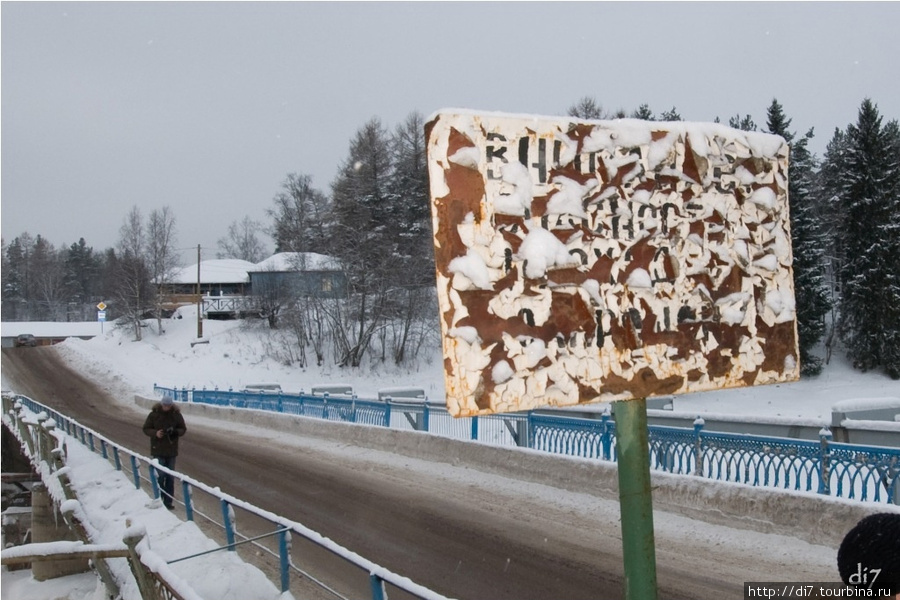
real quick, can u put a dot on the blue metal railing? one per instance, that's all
(143, 472)
(866, 473)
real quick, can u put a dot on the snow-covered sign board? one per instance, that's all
(581, 261)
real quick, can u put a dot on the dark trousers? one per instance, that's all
(166, 481)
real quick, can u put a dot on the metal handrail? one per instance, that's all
(866, 473)
(378, 575)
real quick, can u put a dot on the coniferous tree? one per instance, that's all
(48, 290)
(301, 217)
(108, 268)
(81, 276)
(13, 281)
(670, 115)
(363, 239)
(868, 205)
(359, 194)
(588, 108)
(4, 276)
(830, 216)
(409, 203)
(808, 241)
(413, 300)
(643, 112)
(744, 123)
(890, 290)
(19, 286)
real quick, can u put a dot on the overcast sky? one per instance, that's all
(206, 107)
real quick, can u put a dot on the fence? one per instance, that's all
(865, 473)
(289, 544)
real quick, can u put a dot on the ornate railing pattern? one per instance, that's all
(575, 437)
(866, 473)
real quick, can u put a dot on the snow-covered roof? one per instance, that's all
(298, 261)
(633, 132)
(228, 270)
(232, 270)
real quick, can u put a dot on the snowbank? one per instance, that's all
(811, 517)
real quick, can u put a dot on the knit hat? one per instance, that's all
(167, 401)
(869, 556)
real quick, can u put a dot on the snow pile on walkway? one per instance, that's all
(110, 504)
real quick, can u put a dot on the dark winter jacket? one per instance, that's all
(171, 423)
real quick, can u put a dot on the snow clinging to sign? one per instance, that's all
(581, 261)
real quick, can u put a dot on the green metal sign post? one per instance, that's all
(601, 261)
(635, 500)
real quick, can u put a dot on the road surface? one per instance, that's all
(470, 540)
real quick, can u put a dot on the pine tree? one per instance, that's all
(746, 123)
(301, 216)
(108, 269)
(670, 115)
(868, 201)
(409, 203)
(828, 186)
(47, 279)
(15, 275)
(588, 108)
(364, 239)
(643, 112)
(890, 299)
(808, 242)
(81, 270)
(81, 277)
(412, 300)
(360, 191)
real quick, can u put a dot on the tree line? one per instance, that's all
(375, 219)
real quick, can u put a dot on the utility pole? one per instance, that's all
(199, 299)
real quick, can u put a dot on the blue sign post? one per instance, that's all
(101, 314)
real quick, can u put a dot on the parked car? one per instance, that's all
(25, 339)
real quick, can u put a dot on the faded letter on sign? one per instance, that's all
(581, 261)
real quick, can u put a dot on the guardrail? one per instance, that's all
(865, 473)
(288, 542)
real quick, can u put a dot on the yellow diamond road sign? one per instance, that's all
(101, 306)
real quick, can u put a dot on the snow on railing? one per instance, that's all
(137, 465)
(866, 473)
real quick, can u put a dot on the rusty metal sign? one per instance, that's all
(582, 261)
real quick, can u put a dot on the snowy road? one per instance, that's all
(453, 529)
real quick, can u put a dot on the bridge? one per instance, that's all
(463, 518)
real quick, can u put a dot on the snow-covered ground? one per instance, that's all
(111, 505)
(240, 353)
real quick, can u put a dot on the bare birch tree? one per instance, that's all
(242, 241)
(132, 279)
(161, 254)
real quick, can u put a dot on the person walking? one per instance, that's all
(164, 425)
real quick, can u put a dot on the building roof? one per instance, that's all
(229, 270)
(232, 270)
(298, 261)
